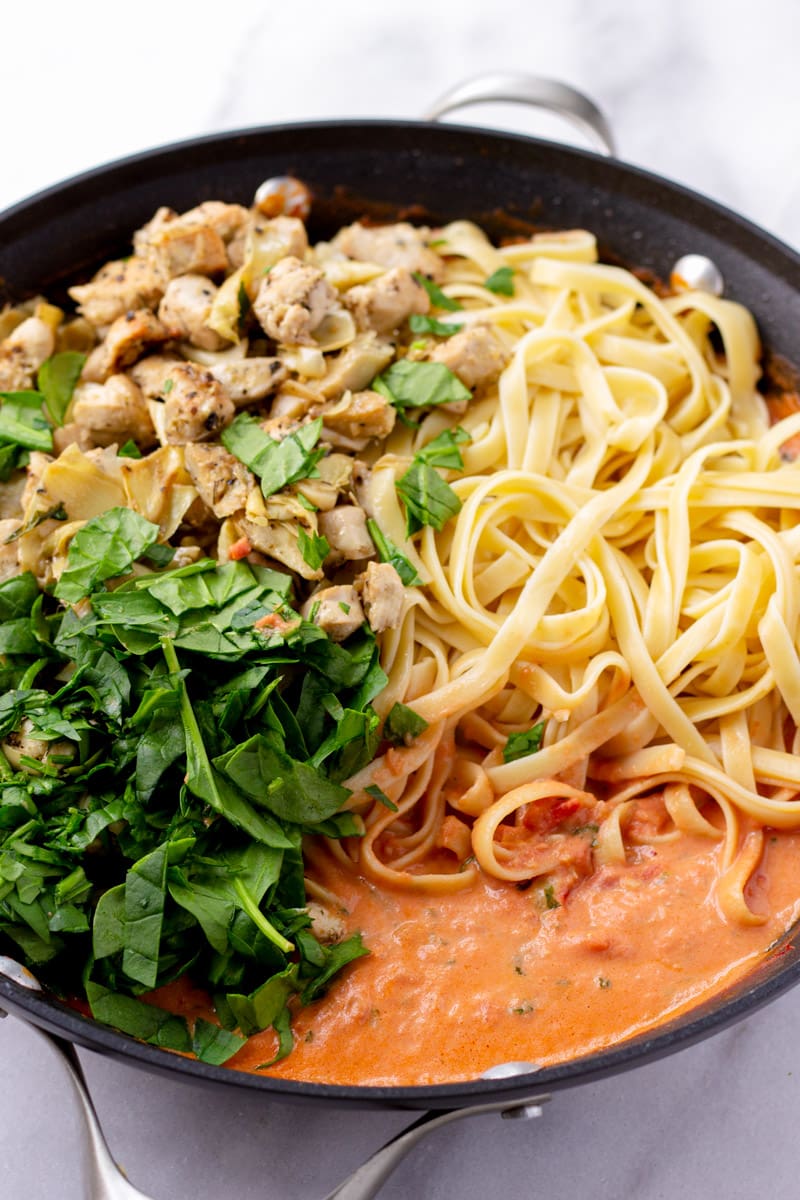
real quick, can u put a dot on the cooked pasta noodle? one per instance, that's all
(623, 569)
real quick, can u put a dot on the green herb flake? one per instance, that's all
(408, 384)
(56, 380)
(602, 982)
(379, 795)
(501, 281)
(429, 500)
(421, 324)
(436, 295)
(550, 897)
(402, 725)
(389, 553)
(521, 744)
(129, 449)
(56, 513)
(314, 549)
(275, 463)
(169, 384)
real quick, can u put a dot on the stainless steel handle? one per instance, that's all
(519, 88)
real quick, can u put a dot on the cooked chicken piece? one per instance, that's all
(325, 925)
(73, 434)
(382, 594)
(112, 412)
(185, 309)
(476, 355)
(336, 610)
(345, 527)
(221, 479)
(123, 344)
(9, 563)
(249, 379)
(186, 555)
(398, 245)
(225, 219)
(356, 419)
(292, 300)
(357, 365)
(151, 373)
(117, 288)
(196, 407)
(288, 230)
(388, 301)
(182, 247)
(23, 352)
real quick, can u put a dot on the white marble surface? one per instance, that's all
(705, 92)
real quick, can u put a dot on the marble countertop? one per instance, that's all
(696, 90)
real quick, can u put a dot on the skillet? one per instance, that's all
(387, 170)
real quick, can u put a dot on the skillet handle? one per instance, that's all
(519, 88)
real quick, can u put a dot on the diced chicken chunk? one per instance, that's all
(292, 300)
(382, 593)
(185, 310)
(345, 528)
(187, 247)
(23, 352)
(9, 564)
(249, 379)
(196, 408)
(325, 925)
(112, 412)
(357, 365)
(476, 355)
(388, 301)
(336, 610)
(221, 479)
(117, 288)
(356, 419)
(123, 344)
(151, 373)
(399, 245)
(73, 434)
(225, 219)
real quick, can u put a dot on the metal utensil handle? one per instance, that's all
(366, 1181)
(519, 88)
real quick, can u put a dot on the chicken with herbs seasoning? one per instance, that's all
(246, 382)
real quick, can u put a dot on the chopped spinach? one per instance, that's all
(521, 744)
(275, 463)
(501, 281)
(56, 379)
(402, 725)
(429, 500)
(421, 324)
(436, 295)
(409, 384)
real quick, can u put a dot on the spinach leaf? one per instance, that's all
(214, 1045)
(501, 281)
(56, 380)
(408, 384)
(436, 295)
(428, 499)
(17, 596)
(145, 890)
(12, 457)
(336, 957)
(519, 745)
(442, 451)
(106, 546)
(262, 1007)
(23, 422)
(421, 324)
(140, 1020)
(402, 725)
(380, 795)
(293, 791)
(275, 463)
(389, 553)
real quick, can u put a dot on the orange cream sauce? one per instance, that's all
(455, 984)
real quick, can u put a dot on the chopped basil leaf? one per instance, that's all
(402, 725)
(436, 295)
(314, 549)
(106, 546)
(501, 281)
(428, 499)
(380, 795)
(56, 380)
(389, 553)
(56, 513)
(129, 449)
(23, 422)
(443, 450)
(408, 384)
(275, 463)
(521, 744)
(550, 897)
(421, 324)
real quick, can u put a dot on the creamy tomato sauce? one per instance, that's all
(455, 984)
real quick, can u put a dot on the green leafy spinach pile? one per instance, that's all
(168, 742)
